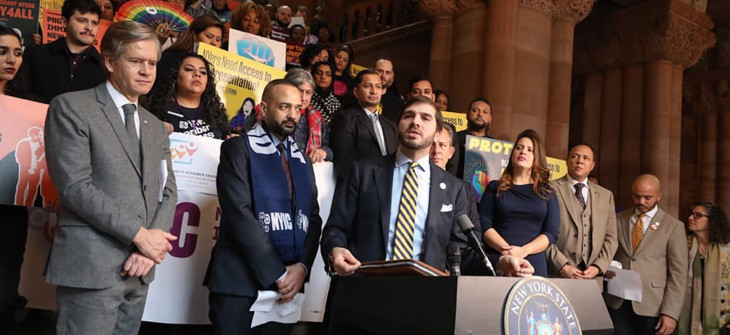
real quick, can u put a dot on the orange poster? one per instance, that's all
(24, 178)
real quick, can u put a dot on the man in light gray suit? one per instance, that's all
(587, 240)
(110, 161)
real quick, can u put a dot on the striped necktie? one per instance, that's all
(406, 221)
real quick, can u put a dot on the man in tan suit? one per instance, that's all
(657, 250)
(587, 240)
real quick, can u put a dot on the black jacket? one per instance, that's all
(47, 70)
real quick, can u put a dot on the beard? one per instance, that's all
(283, 128)
(423, 143)
(478, 127)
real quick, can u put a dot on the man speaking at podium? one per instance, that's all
(401, 206)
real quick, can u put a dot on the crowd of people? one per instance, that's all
(398, 169)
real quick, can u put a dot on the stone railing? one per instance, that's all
(356, 19)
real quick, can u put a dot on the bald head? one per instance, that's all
(384, 68)
(646, 192)
(283, 15)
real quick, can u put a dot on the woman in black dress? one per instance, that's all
(519, 213)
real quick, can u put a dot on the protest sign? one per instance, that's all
(486, 158)
(260, 49)
(238, 78)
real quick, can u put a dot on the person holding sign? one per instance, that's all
(519, 213)
(270, 224)
(187, 101)
(15, 225)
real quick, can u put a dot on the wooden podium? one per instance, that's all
(446, 305)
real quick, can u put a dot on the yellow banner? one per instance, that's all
(458, 120)
(486, 158)
(356, 68)
(238, 78)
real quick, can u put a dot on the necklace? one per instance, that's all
(702, 251)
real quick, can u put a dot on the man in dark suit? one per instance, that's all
(269, 243)
(69, 63)
(400, 206)
(360, 132)
(110, 162)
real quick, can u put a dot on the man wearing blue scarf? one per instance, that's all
(270, 223)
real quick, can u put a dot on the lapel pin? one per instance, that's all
(144, 121)
(442, 186)
(654, 226)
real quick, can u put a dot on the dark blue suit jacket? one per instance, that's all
(244, 260)
(360, 216)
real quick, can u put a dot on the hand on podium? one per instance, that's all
(343, 261)
(514, 266)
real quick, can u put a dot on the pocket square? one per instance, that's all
(447, 208)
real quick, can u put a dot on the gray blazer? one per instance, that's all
(105, 196)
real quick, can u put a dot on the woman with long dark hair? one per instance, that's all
(344, 56)
(15, 218)
(11, 57)
(312, 54)
(519, 213)
(324, 99)
(205, 29)
(188, 101)
(707, 299)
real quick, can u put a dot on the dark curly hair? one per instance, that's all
(719, 227)
(163, 95)
(540, 173)
(310, 51)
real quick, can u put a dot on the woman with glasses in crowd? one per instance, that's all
(706, 307)
(311, 131)
(187, 100)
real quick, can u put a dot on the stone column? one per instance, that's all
(610, 134)
(441, 13)
(592, 110)
(630, 157)
(499, 64)
(656, 119)
(532, 67)
(706, 108)
(665, 36)
(723, 145)
(675, 139)
(569, 13)
(467, 54)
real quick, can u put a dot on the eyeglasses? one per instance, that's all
(698, 215)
